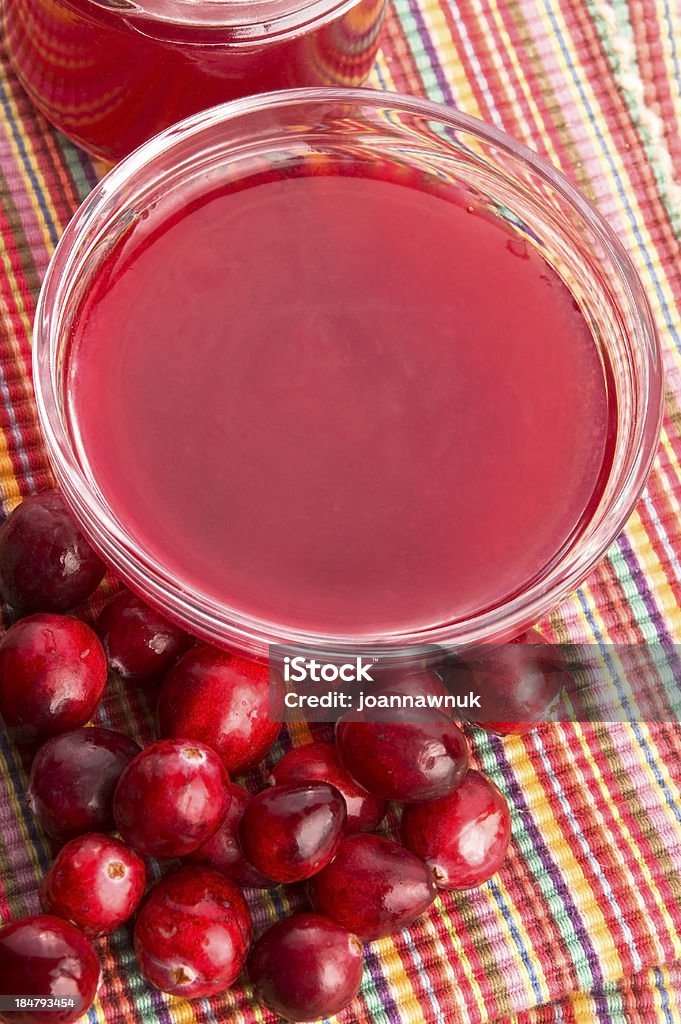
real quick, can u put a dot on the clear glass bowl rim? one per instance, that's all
(230, 628)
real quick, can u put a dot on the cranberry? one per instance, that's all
(412, 755)
(192, 933)
(220, 700)
(223, 851)
(171, 798)
(424, 686)
(52, 675)
(139, 642)
(520, 681)
(306, 967)
(464, 836)
(46, 565)
(320, 762)
(96, 882)
(43, 956)
(373, 887)
(290, 832)
(73, 778)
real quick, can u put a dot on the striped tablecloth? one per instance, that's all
(584, 922)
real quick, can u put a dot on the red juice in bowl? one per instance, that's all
(112, 73)
(351, 402)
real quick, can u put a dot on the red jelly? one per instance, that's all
(112, 74)
(322, 498)
(336, 368)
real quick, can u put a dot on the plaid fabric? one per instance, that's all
(583, 924)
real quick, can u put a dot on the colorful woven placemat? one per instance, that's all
(584, 922)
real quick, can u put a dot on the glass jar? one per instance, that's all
(112, 73)
(413, 141)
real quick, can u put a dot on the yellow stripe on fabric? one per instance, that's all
(11, 495)
(658, 585)
(444, 963)
(672, 469)
(27, 139)
(19, 817)
(538, 127)
(440, 37)
(665, 780)
(637, 247)
(516, 916)
(646, 736)
(452, 60)
(5, 318)
(185, 1011)
(656, 571)
(463, 962)
(672, 991)
(669, 15)
(586, 898)
(381, 74)
(397, 980)
(637, 854)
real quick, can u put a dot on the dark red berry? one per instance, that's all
(73, 778)
(320, 762)
(519, 682)
(223, 701)
(410, 756)
(46, 565)
(192, 933)
(306, 967)
(373, 887)
(423, 686)
(464, 836)
(171, 798)
(140, 643)
(96, 883)
(223, 850)
(44, 956)
(290, 832)
(52, 676)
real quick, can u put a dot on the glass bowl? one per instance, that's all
(540, 204)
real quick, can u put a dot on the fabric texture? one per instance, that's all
(583, 924)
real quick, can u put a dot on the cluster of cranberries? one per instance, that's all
(176, 800)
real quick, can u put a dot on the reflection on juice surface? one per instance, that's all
(110, 76)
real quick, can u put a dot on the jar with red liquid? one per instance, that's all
(112, 73)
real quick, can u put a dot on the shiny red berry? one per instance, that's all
(52, 676)
(192, 933)
(319, 762)
(223, 701)
(373, 887)
(140, 643)
(46, 565)
(44, 956)
(96, 882)
(519, 682)
(290, 832)
(424, 686)
(409, 756)
(73, 778)
(223, 850)
(306, 968)
(171, 798)
(463, 837)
